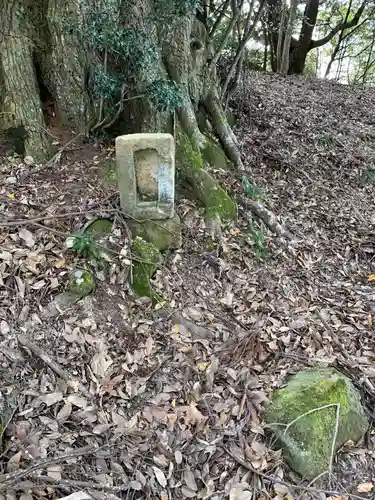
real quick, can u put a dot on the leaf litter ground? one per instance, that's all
(116, 399)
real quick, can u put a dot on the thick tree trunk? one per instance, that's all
(274, 10)
(186, 64)
(20, 104)
(65, 65)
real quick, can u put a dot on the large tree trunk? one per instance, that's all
(186, 52)
(284, 65)
(65, 65)
(20, 106)
(42, 64)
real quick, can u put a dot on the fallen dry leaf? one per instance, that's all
(365, 487)
(101, 361)
(27, 236)
(159, 474)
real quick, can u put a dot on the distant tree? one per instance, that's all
(287, 38)
(301, 46)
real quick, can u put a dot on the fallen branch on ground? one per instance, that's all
(37, 351)
(6, 480)
(23, 222)
(49, 482)
(266, 216)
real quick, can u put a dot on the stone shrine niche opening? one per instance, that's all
(146, 162)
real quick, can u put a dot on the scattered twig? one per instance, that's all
(332, 332)
(37, 351)
(67, 483)
(55, 158)
(274, 479)
(22, 222)
(7, 479)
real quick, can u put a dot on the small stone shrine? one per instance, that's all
(146, 172)
(146, 180)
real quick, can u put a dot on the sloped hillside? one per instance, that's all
(135, 401)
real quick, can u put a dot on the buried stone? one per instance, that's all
(164, 234)
(314, 415)
(81, 282)
(146, 261)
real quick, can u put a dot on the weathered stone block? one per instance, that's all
(146, 175)
(164, 234)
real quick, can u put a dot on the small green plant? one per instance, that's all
(370, 177)
(252, 190)
(84, 245)
(165, 95)
(258, 238)
(326, 139)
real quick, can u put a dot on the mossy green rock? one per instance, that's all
(100, 227)
(144, 268)
(164, 234)
(81, 282)
(307, 438)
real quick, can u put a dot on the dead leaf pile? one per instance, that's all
(114, 398)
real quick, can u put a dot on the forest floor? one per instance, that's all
(137, 402)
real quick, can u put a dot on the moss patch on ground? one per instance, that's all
(100, 227)
(81, 282)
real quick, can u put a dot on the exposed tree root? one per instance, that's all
(266, 216)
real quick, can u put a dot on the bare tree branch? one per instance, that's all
(220, 17)
(236, 12)
(341, 26)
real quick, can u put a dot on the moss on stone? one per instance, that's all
(81, 282)
(307, 442)
(144, 269)
(164, 234)
(100, 226)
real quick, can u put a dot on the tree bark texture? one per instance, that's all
(19, 91)
(288, 38)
